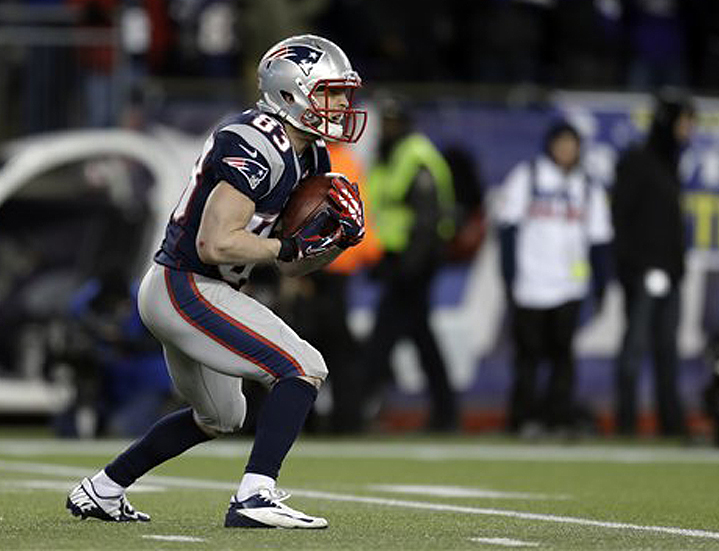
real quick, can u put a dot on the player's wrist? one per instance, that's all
(288, 249)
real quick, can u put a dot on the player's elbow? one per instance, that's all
(209, 251)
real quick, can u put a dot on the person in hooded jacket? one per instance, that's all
(554, 232)
(649, 258)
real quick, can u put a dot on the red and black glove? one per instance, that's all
(349, 211)
(313, 239)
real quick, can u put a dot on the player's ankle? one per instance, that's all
(106, 486)
(251, 483)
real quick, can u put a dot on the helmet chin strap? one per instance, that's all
(335, 130)
(323, 128)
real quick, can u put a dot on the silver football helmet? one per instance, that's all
(297, 78)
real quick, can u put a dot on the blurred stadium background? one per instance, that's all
(105, 103)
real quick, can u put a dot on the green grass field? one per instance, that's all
(392, 493)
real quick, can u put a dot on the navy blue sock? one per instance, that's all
(169, 437)
(279, 423)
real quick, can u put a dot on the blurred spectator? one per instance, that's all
(469, 206)
(554, 220)
(647, 215)
(588, 42)
(703, 43)
(416, 50)
(369, 251)
(333, 336)
(207, 37)
(97, 63)
(567, 43)
(411, 200)
(120, 375)
(46, 72)
(657, 42)
(510, 40)
(332, 22)
(147, 36)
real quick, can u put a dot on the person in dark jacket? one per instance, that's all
(649, 250)
(411, 200)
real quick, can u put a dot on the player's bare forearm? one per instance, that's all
(310, 264)
(238, 247)
(222, 237)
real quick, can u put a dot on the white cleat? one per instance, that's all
(85, 502)
(266, 510)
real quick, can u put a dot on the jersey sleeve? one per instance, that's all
(514, 196)
(242, 163)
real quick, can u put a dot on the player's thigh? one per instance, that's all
(270, 344)
(223, 329)
(216, 398)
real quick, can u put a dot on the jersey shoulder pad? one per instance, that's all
(266, 125)
(247, 159)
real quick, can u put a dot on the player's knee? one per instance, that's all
(314, 381)
(314, 367)
(226, 422)
(209, 431)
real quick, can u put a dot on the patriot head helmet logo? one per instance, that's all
(305, 57)
(253, 171)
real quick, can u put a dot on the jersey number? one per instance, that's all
(270, 126)
(189, 191)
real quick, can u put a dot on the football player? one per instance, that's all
(214, 335)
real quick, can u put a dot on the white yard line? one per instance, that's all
(506, 542)
(179, 482)
(507, 513)
(390, 450)
(66, 485)
(459, 491)
(186, 539)
(79, 472)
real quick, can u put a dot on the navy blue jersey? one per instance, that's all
(252, 152)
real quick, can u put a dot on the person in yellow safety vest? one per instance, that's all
(410, 202)
(391, 182)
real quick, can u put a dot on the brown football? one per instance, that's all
(307, 199)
